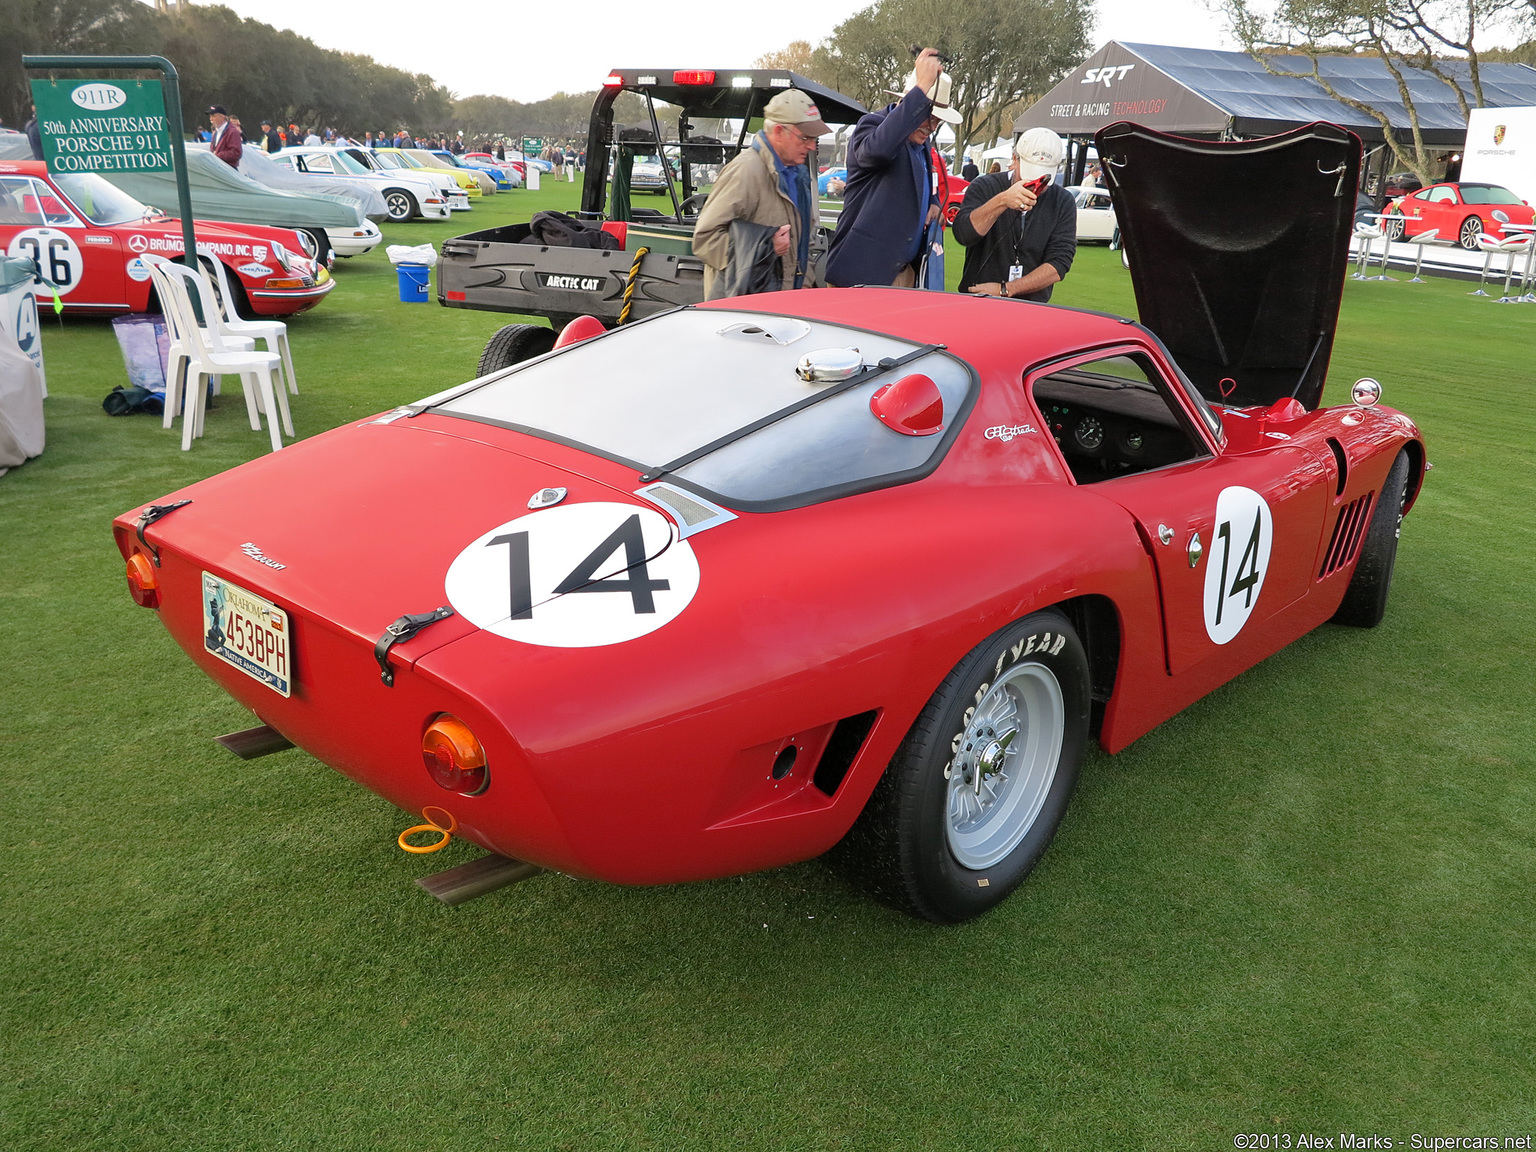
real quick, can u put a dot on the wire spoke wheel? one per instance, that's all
(1005, 762)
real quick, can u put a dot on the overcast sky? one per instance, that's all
(527, 51)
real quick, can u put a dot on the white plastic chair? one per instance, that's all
(213, 317)
(198, 351)
(274, 332)
(1489, 246)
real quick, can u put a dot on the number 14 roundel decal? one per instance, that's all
(575, 576)
(1237, 561)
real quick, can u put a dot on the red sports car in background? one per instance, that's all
(86, 237)
(906, 555)
(1457, 212)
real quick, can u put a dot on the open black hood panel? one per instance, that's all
(1237, 251)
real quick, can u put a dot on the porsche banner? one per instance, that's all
(103, 125)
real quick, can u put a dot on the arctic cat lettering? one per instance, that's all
(573, 283)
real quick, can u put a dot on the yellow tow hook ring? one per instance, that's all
(431, 825)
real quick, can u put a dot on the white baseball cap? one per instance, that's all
(939, 94)
(1040, 152)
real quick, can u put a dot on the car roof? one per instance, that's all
(985, 331)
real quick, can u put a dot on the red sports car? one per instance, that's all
(1457, 212)
(86, 237)
(852, 569)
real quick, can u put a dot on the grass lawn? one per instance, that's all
(1302, 906)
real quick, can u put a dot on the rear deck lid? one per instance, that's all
(1237, 252)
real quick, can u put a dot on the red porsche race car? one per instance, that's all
(86, 237)
(1457, 212)
(854, 569)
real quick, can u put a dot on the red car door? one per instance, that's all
(1234, 537)
(83, 265)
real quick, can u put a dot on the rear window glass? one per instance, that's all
(652, 394)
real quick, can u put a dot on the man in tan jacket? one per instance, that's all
(768, 183)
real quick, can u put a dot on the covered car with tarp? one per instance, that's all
(221, 193)
(346, 241)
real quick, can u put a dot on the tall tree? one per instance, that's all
(1002, 53)
(1440, 37)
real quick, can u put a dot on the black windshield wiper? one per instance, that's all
(863, 376)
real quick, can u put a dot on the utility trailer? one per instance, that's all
(499, 270)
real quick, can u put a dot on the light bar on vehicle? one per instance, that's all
(741, 81)
(613, 81)
(694, 76)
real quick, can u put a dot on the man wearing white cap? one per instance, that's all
(768, 183)
(891, 199)
(1019, 227)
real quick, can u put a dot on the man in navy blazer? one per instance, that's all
(890, 199)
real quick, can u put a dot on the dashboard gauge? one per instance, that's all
(1089, 433)
(1131, 441)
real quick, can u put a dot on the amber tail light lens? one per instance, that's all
(454, 758)
(143, 584)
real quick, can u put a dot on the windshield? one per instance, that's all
(347, 164)
(660, 392)
(1488, 194)
(408, 160)
(390, 160)
(449, 159)
(98, 201)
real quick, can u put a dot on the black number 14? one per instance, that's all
(1247, 574)
(635, 579)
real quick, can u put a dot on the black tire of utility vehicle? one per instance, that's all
(514, 344)
(1365, 600)
(400, 205)
(902, 848)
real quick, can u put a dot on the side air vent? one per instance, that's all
(692, 512)
(1348, 531)
(846, 740)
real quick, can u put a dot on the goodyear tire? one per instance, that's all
(979, 786)
(400, 205)
(514, 344)
(1365, 600)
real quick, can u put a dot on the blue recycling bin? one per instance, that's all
(415, 282)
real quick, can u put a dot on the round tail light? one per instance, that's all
(454, 758)
(143, 584)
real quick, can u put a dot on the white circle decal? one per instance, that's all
(1236, 562)
(55, 256)
(575, 576)
(137, 270)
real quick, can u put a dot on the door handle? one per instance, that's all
(1196, 550)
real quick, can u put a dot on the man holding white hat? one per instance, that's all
(1019, 227)
(769, 184)
(891, 196)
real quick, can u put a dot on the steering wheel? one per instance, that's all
(692, 205)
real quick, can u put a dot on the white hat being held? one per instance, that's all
(939, 94)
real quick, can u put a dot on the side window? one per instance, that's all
(1442, 196)
(18, 203)
(318, 164)
(1115, 416)
(54, 210)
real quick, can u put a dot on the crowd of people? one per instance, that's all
(1018, 226)
(226, 131)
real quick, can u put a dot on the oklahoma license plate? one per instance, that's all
(242, 629)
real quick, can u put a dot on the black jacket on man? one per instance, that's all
(1046, 234)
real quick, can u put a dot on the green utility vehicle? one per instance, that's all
(500, 270)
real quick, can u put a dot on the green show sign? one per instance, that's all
(103, 125)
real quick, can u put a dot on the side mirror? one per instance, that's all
(1365, 392)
